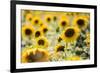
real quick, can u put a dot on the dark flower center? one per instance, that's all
(30, 19)
(28, 32)
(55, 18)
(69, 32)
(37, 34)
(63, 23)
(60, 48)
(41, 42)
(48, 19)
(80, 22)
(36, 21)
(45, 30)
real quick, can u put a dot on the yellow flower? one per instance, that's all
(70, 34)
(74, 58)
(63, 21)
(38, 33)
(36, 21)
(29, 17)
(59, 48)
(27, 31)
(44, 28)
(30, 55)
(42, 42)
(48, 18)
(81, 22)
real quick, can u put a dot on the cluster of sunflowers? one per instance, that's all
(54, 36)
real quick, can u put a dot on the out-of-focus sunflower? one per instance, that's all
(74, 58)
(81, 22)
(38, 33)
(63, 21)
(42, 42)
(44, 28)
(59, 48)
(36, 21)
(27, 31)
(48, 18)
(30, 55)
(29, 17)
(70, 34)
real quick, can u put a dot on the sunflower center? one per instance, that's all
(36, 21)
(80, 22)
(69, 32)
(63, 23)
(30, 19)
(48, 19)
(37, 34)
(41, 42)
(28, 32)
(60, 48)
(45, 30)
(55, 18)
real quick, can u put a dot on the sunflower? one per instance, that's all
(81, 22)
(63, 21)
(70, 34)
(42, 42)
(74, 58)
(27, 31)
(28, 17)
(59, 48)
(44, 28)
(30, 55)
(36, 21)
(38, 33)
(48, 18)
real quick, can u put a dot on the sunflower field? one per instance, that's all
(48, 36)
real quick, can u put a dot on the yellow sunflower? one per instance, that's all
(59, 48)
(48, 18)
(70, 34)
(34, 55)
(29, 17)
(74, 58)
(42, 42)
(36, 21)
(81, 22)
(63, 21)
(44, 28)
(38, 33)
(27, 31)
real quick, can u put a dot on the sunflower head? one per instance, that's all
(70, 34)
(27, 31)
(42, 42)
(35, 55)
(81, 22)
(36, 21)
(63, 21)
(48, 18)
(59, 48)
(38, 33)
(44, 28)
